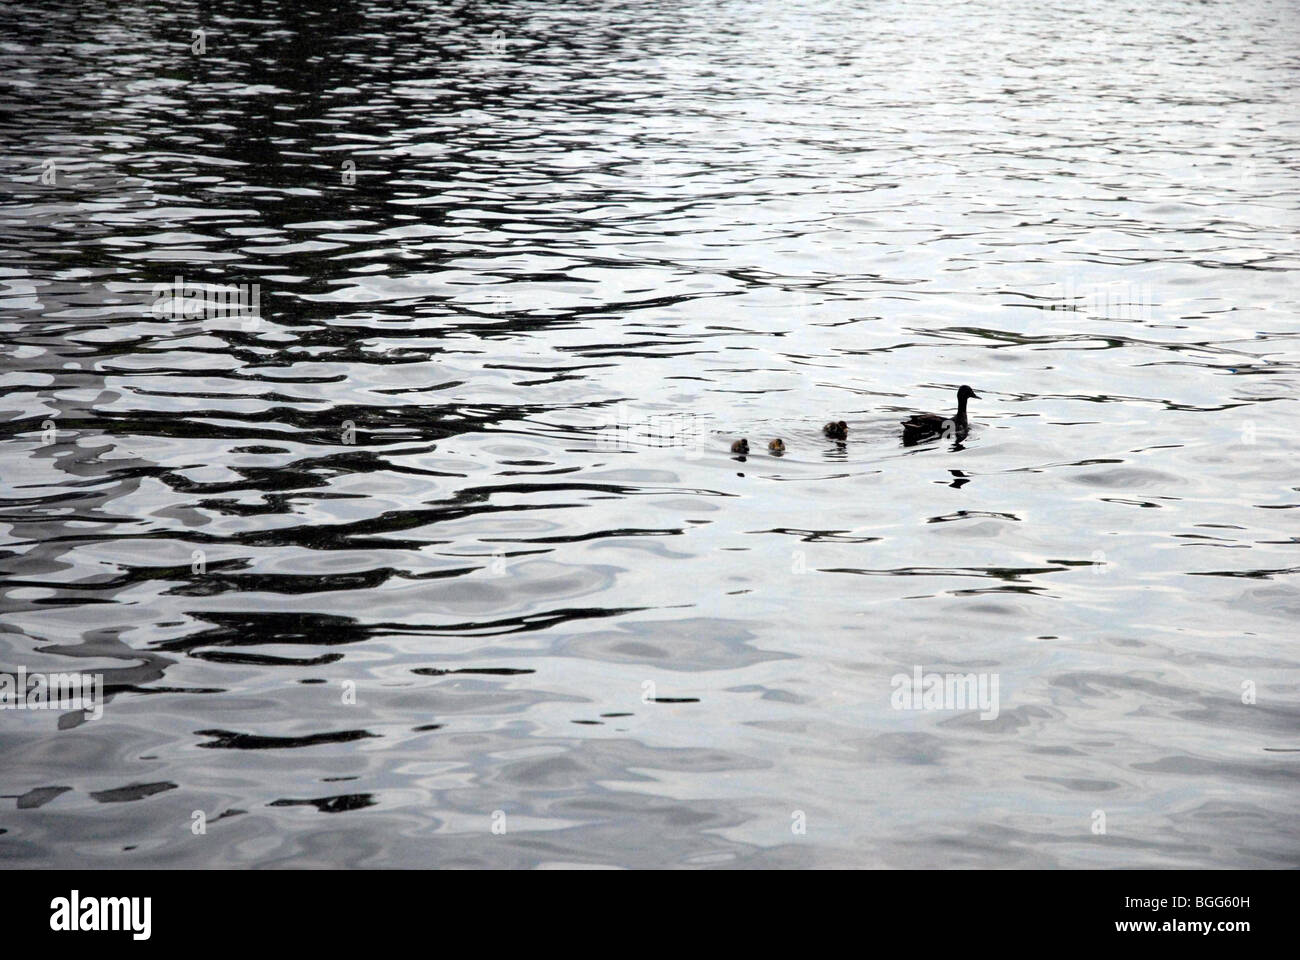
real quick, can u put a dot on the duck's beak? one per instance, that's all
(975, 396)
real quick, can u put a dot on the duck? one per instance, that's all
(740, 446)
(926, 426)
(776, 446)
(836, 430)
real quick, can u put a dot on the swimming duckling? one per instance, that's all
(776, 446)
(925, 426)
(836, 430)
(740, 446)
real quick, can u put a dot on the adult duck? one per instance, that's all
(927, 426)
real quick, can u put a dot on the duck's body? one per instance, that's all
(927, 426)
(740, 446)
(776, 446)
(836, 430)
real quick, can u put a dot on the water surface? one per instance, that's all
(525, 271)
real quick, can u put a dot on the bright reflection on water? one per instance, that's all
(472, 462)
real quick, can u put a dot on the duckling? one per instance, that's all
(925, 426)
(740, 446)
(836, 430)
(776, 446)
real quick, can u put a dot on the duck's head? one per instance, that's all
(965, 393)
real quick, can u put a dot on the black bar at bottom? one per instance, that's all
(335, 909)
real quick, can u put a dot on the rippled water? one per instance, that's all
(525, 271)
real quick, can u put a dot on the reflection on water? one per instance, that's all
(440, 556)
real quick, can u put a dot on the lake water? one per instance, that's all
(440, 558)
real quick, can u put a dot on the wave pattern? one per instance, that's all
(440, 557)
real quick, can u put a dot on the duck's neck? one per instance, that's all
(961, 408)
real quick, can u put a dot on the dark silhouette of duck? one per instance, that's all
(927, 426)
(836, 430)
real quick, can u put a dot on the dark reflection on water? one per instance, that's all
(454, 520)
